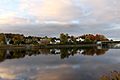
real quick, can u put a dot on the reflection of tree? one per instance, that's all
(115, 75)
(64, 52)
(44, 51)
(12, 54)
(101, 51)
(94, 51)
(2, 54)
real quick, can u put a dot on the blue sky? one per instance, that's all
(9, 5)
(51, 17)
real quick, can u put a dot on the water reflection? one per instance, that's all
(64, 53)
(58, 64)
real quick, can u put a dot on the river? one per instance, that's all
(58, 64)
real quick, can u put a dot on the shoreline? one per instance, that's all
(45, 46)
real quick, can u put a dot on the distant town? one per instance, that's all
(64, 39)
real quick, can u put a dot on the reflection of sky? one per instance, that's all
(51, 67)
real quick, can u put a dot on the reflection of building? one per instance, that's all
(99, 42)
(55, 51)
(99, 47)
(117, 45)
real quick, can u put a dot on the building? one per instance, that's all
(44, 41)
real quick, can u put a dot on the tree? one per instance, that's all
(87, 40)
(53, 40)
(94, 38)
(2, 39)
(101, 38)
(73, 39)
(17, 39)
(63, 38)
(11, 42)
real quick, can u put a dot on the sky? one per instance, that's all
(52, 17)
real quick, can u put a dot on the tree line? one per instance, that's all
(19, 39)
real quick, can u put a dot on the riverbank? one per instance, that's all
(43, 46)
(68, 46)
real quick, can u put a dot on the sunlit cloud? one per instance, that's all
(62, 22)
(60, 10)
(57, 10)
(11, 19)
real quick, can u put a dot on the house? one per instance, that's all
(44, 41)
(56, 41)
(79, 39)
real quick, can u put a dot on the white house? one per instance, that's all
(79, 39)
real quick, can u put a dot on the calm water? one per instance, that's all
(58, 64)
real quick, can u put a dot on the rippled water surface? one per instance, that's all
(58, 64)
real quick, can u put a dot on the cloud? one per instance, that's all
(71, 16)
(57, 10)
(53, 29)
(86, 11)
(10, 18)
